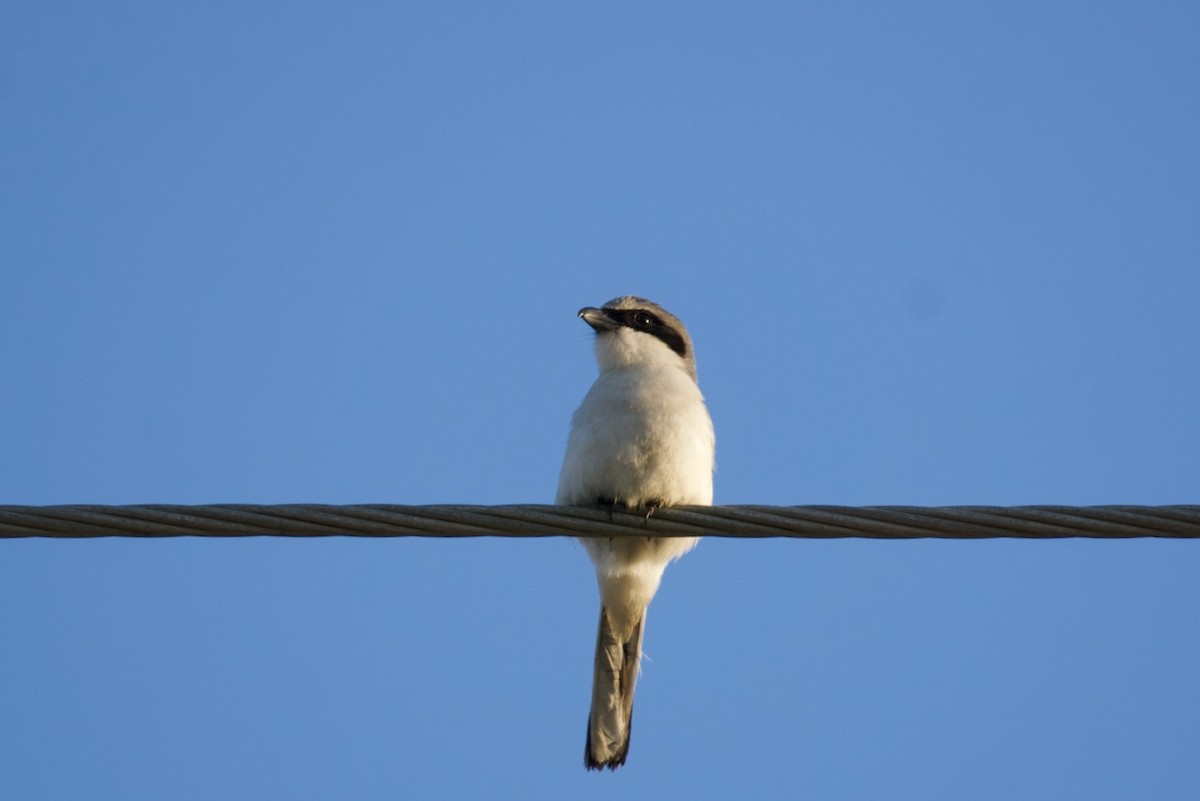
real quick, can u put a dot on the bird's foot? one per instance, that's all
(609, 504)
(650, 507)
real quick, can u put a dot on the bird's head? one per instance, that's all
(632, 331)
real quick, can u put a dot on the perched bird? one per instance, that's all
(641, 439)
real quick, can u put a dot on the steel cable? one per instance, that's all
(531, 520)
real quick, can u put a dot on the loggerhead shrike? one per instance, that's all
(641, 439)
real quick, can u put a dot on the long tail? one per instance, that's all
(618, 652)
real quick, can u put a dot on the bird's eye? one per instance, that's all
(643, 319)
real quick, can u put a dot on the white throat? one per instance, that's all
(624, 348)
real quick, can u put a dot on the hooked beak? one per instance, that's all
(598, 319)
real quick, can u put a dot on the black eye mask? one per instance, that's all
(642, 320)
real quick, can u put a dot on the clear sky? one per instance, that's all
(930, 253)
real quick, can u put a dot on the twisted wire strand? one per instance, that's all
(533, 520)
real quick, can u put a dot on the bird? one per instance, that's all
(641, 439)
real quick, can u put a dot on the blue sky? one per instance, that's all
(930, 254)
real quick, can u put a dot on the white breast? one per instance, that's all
(642, 435)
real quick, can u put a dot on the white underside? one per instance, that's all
(641, 436)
